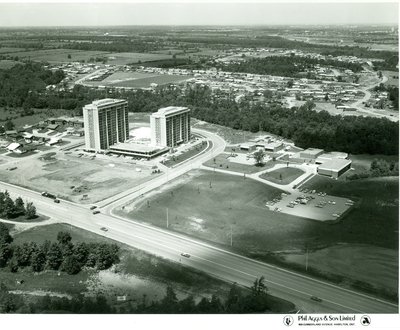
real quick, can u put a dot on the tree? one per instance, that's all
(5, 255)
(19, 206)
(71, 265)
(259, 286)
(5, 237)
(8, 206)
(38, 260)
(30, 212)
(64, 237)
(54, 257)
(259, 157)
(69, 56)
(9, 125)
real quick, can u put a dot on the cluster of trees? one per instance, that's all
(237, 302)
(378, 168)
(11, 209)
(307, 128)
(393, 92)
(22, 83)
(61, 255)
(285, 66)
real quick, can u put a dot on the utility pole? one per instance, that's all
(306, 259)
(231, 236)
(167, 219)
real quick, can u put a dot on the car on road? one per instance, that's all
(56, 200)
(103, 229)
(96, 212)
(315, 298)
(93, 207)
(186, 255)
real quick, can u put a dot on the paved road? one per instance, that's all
(217, 262)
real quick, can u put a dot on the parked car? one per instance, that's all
(186, 255)
(103, 229)
(93, 207)
(56, 201)
(96, 212)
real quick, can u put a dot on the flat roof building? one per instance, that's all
(311, 153)
(105, 123)
(170, 126)
(334, 167)
(137, 150)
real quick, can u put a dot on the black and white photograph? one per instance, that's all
(199, 159)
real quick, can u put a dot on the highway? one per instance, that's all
(210, 259)
(205, 257)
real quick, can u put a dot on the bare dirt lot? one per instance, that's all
(70, 177)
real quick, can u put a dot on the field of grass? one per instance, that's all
(157, 79)
(393, 78)
(6, 50)
(187, 154)
(222, 162)
(282, 175)
(7, 64)
(208, 212)
(127, 58)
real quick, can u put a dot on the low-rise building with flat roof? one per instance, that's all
(311, 153)
(137, 150)
(334, 167)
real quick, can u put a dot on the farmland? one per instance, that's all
(57, 55)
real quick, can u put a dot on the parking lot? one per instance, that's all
(311, 204)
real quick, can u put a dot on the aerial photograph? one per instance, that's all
(200, 158)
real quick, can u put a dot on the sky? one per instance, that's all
(100, 13)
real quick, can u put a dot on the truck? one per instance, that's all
(47, 194)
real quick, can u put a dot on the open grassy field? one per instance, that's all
(7, 50)
(138, 79)
(393, 78)
(70, 177)
(58, 55)
(7, 64)
(134, 58)
(157, 79)
(282, 175)
(209, 213)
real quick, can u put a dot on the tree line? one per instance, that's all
(236, 302)
(10, 209)
(287, 66)
(378, 168)
(62, 255)
(23, 81)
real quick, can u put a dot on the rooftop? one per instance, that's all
(135, 147)
(170, 110)
(335, 164)
(313, 151)
(104, 102)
